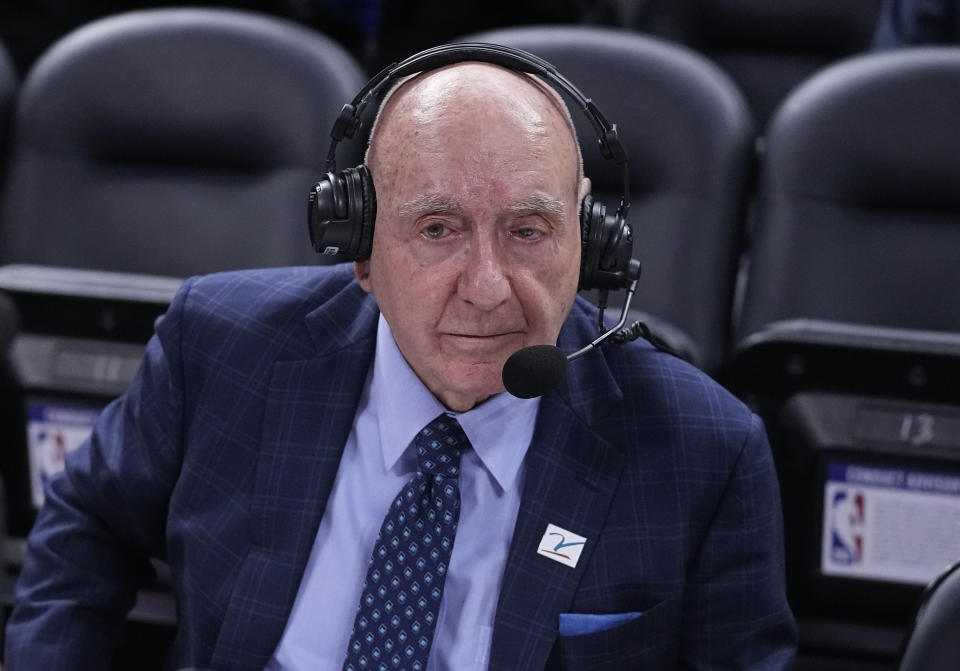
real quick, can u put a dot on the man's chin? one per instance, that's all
(469, 384)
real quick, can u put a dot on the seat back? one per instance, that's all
(767, 48)
(174, 142)
(933, 644)
(850, 340)
(859, 214)
(689, 138)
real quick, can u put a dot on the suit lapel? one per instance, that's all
(572, 474)
(308, 414)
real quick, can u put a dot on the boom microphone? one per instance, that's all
(535, 370)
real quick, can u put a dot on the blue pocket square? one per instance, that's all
(577, 624)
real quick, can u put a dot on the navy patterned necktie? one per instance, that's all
(400, 602)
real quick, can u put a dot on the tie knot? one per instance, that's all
(439, 446)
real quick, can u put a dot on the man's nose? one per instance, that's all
(484, 281)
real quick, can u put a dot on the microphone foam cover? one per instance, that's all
(533, 371)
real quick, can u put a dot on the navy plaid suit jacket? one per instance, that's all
(222, 454)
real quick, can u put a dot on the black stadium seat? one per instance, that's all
(174, 142)
(689, 138)
(849, 338)
(933, 644)
(163, 143)
(859, 205)
(768, 48)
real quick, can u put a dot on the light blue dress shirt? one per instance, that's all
(377, 461)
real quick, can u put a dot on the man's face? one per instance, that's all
(476, 250)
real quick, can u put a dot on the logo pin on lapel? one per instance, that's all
(561, 545)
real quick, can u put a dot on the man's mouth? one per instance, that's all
(481, 342)
(480, 335)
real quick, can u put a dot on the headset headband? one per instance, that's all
(348, 122)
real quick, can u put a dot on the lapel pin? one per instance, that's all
(561, 545)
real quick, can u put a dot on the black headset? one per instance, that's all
(342, 206)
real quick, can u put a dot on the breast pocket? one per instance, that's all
(645, 642)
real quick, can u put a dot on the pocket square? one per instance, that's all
(577, 624)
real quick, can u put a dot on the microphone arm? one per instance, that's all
(623, 320)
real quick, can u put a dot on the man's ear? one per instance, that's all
(584, 188)
(362, 270)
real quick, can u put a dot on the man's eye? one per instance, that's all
(529, 234)
(435, 231)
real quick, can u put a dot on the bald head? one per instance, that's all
(472, 98)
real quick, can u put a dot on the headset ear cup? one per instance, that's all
(585, 206)
(358, 218)
(368, 213)
(326, 215)
(340, 214)
(592, 213)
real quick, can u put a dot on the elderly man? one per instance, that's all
(330, 465)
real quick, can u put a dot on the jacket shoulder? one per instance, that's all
(677, 388)
(249, 311)
(650, 382)
(262, 293)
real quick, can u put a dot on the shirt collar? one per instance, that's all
(500, 429)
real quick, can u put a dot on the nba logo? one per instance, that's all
(847, 520)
